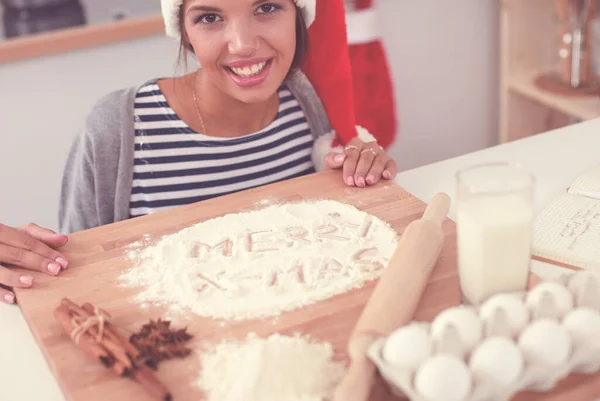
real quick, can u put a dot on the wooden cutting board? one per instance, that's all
(97, 257)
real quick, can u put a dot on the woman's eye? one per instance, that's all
(268, 8)
(208, 18)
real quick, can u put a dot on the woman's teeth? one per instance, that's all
(250, 70)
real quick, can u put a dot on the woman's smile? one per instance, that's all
(249, 72)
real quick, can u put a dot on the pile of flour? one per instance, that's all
(278, 368)
(261, 263)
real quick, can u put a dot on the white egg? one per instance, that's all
(512, 304)
(443, 377)
(466, 321)
(581, 284)
(408, 347)
(497, 361)
(584, 326)
(545, 342)
(562, 297)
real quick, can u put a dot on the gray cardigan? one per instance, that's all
(98, 174)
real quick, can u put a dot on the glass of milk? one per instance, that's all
(494, 221)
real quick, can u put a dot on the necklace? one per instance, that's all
(196, 104)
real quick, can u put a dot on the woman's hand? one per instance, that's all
(29, 247)
(362, 163)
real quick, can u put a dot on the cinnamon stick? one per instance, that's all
(111, 350)
(146, 378)
(112, 333)
(109, 339)
(86, 343)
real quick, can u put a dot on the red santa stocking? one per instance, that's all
(328, 68)
(373, 88)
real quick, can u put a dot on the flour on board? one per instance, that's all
(277, 368)
(261, 263)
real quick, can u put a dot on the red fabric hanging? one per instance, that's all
(375, 107)
(328, 67)
(347, 65)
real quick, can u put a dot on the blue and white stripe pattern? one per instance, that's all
(175, 165)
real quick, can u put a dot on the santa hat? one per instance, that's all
(329, 70)
(171, 12)
(327, 66)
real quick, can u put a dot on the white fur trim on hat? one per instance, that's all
(364, 135)
(170, 12)
(323, 145)
(309, 9)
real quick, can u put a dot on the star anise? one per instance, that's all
(157, 342)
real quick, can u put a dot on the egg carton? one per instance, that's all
(511, 343)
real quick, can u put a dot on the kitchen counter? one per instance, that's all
(556, 158)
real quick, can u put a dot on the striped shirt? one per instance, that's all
(175, 165)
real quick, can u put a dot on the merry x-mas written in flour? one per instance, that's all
(261, 263)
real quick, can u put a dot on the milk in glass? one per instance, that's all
(494, 233)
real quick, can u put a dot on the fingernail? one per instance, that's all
(339, 158)
(54, 268)
(387, 175)
(370, 179)
(361, 182)
(10, 298)
(350, 181)
(63, 262)
(26, 280)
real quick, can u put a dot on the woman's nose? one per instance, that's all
(242, 40)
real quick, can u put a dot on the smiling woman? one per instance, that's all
(248, 117)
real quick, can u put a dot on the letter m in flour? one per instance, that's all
(200, 249)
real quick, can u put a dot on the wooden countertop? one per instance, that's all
(567, 152)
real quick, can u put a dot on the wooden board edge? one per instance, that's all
(555, 263)
(117, 225)
(77, 38)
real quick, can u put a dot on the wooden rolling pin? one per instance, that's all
(396, 296)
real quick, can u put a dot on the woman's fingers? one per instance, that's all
(376, 172)
(364, 164)
(10, 278)
(21, 249)
(334, 160)
(352, 156)
(7, 296)
(367, 157)
(28, 260)
(391, 169)
(45, 235)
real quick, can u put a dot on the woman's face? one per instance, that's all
(246, 47)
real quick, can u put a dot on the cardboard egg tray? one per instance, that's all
(511, 343)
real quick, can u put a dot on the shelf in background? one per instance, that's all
(584, 107)
(71, 39)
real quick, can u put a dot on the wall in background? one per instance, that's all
(444, 68)
(44, 103)
(444, 60)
